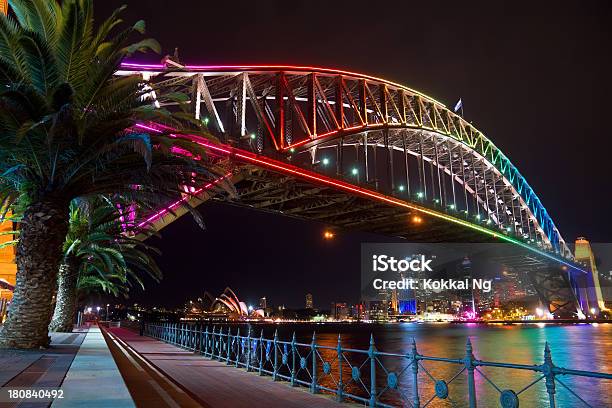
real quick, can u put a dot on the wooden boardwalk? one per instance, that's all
(216, 385)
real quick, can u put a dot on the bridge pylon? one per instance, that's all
(584, 253)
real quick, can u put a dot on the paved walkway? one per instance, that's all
(39, 368)
(216, 385)
(93, 379)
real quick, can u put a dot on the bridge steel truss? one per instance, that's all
(370, 133)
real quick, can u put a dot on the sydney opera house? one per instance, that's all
(225, 306)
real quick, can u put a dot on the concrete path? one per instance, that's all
(216, 385)
(93, 379)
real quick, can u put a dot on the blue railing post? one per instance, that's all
(414, 355)
(547, 370)
(221, 344)
(205, 347)
(313, 350)
(372, 355)
(469, 365)
(238, 348)
(261, 353)
(248, 356)
(275, 371)
(293, 352)
(340, 391)
(228, 349)
(213, 343)
(202, 340)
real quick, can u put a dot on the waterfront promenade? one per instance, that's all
(214, 384)
(117, 368)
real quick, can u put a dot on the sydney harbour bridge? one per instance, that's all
(361, 153)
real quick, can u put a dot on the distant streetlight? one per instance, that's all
(325, 161)
(401, 188)
(328, 235)
(417, 220)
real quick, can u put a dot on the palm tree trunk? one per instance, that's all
(39, 253)
(65, 303)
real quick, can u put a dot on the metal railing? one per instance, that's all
(366, 376)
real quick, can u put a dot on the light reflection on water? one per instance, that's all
(581, 347)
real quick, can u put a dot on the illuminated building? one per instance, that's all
(225, 306)
(339, 311)
(8, 268)
(394, 304)
(263, 303)
(378, 311)
(467, 296)
(309, 304)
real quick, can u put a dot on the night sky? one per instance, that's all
(533, 76)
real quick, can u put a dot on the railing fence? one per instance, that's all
(366, 376)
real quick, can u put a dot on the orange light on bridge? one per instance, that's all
(328, 235)
(417, 220)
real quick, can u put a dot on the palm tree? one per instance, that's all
(100, 254)
(66, 131)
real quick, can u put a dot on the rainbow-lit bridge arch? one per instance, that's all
(378, 114)
(337, 146)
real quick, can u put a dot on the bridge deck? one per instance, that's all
(214, 384)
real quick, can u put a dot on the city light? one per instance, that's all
(539, 312)
(420, 195)
(452, 206)
(325, 161)
(417, 220)
(253, 136)
(593, 311)
(401, 188)
(328, 234)
(354, 171)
